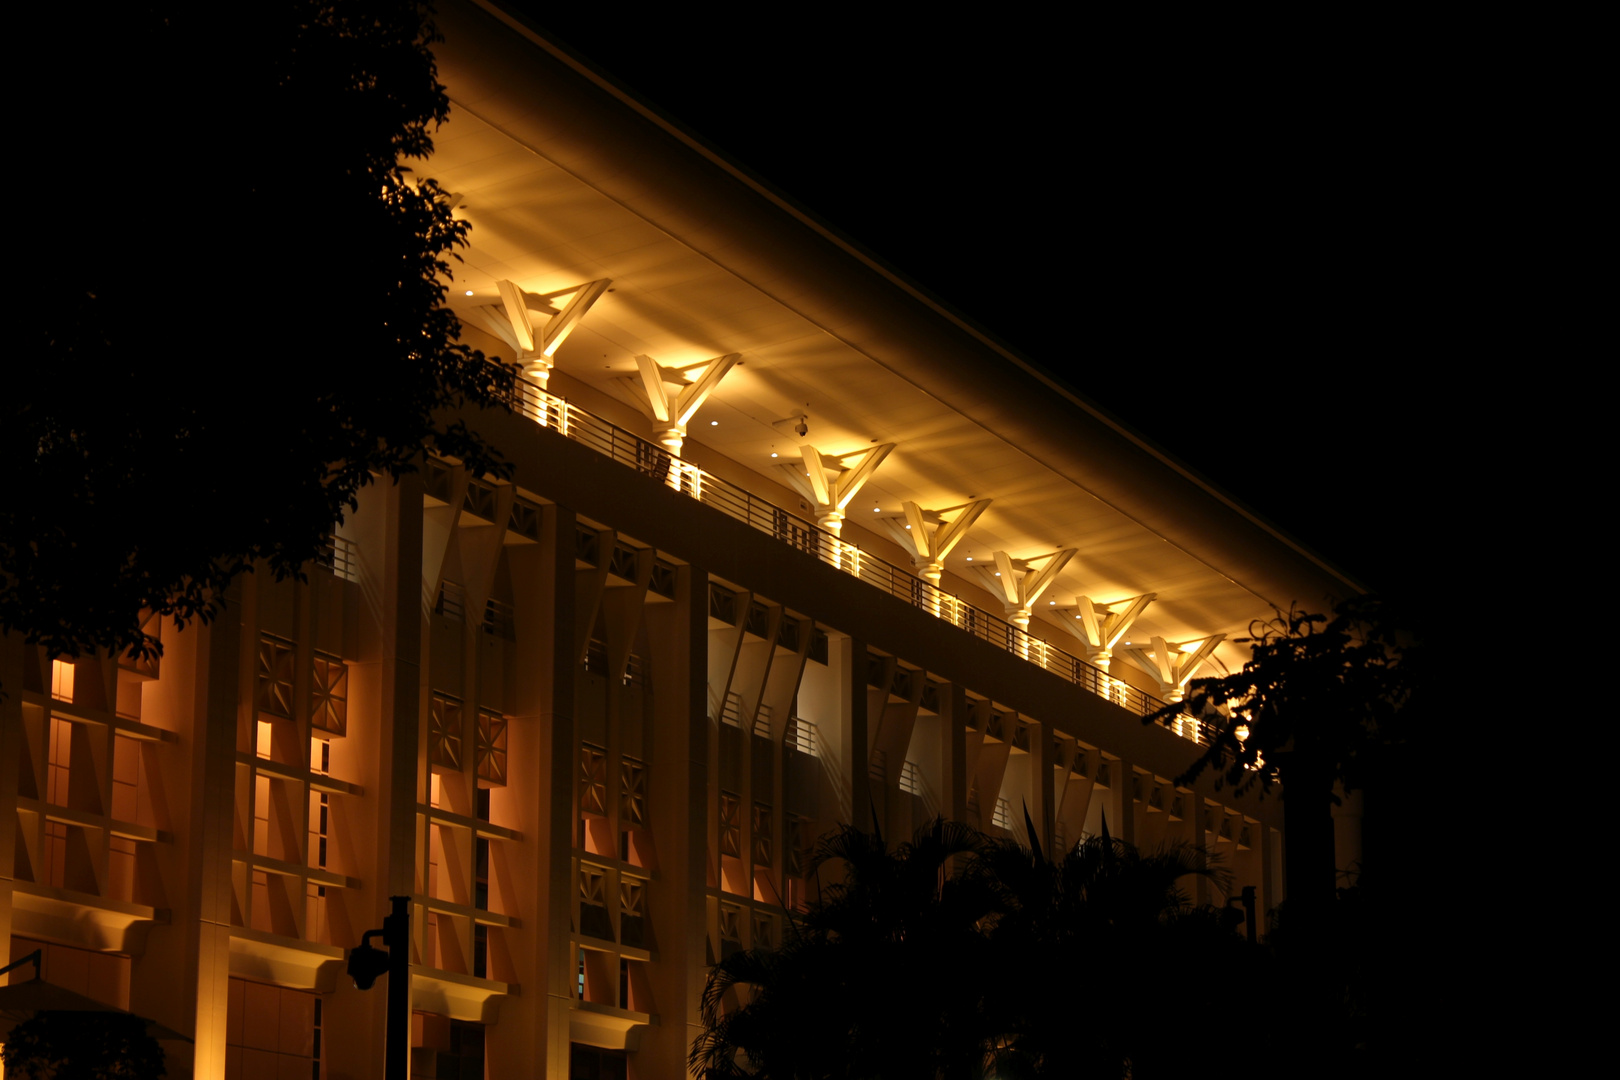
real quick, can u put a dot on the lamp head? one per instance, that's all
(365, 964)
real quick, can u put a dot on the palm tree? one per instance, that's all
(959, 957)
(886, 975)
(1104, 906)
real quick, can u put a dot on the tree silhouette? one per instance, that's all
(236, 314)
(1102, 906)
(83, 1046)
(839, 1000)
(958, 956)
(1323, 703)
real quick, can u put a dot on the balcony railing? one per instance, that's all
(550, 411)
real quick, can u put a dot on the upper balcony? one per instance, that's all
(553, 412)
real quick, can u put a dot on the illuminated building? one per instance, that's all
(786, 546)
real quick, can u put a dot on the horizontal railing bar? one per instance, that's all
(550, 411)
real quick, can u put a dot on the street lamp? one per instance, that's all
(367, 962)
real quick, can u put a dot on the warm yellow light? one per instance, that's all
(714, 423)
(1242, 733)
(469, 292)
(773, 453)
(62, 680)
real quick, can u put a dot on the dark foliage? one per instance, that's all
(958, 956)
(236, 314)
(1337, 690)
(83, 1046)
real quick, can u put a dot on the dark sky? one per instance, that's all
(1249, 255)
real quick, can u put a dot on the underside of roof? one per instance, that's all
(567, 180)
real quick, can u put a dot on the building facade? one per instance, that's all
(785, 546)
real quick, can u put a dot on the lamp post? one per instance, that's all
(366, 963)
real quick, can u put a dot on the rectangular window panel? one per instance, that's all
(633, 911)
(62, 680)
(276, 666)
(329, 695)
(593, 780)
(491, 748)
(730, 825)
(59, 762)
(594, 918)
(632, 793)
(762, 835)
(444, 732)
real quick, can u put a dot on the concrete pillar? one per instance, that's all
(538, 801)
(680, 795)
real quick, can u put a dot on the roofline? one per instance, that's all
(778, 202)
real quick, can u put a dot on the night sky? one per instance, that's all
(1250, 260)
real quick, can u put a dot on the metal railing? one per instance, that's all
(550, 411)
(341, 556)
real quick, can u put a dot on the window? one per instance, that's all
(762, 835)
(59, 762)
(329, 695)
(633, 911)
(491, 747)
(730, 825)
(593, 780)
(62, 680)
(276, 665)
(444, 732)
(632, 793)
(594, 918)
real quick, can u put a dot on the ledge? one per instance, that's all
(87, 820)
(596, 944)
(137, 730)
(299, 775)
(477, 915)
(605, 1026)
(89, 922)
(291, 869)
(460, 997)
(266, 957)
(478, 827)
